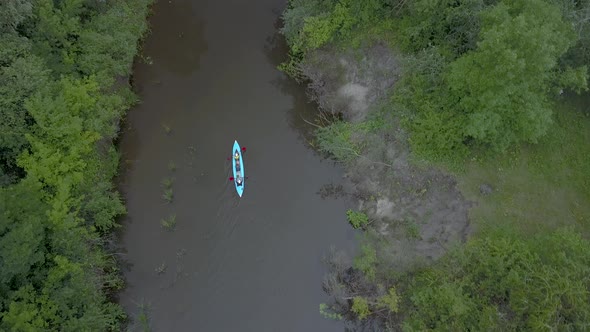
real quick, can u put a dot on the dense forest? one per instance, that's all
(64, 82)
(489, 86)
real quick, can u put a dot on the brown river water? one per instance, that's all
(231, 264)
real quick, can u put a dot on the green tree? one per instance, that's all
(13, 13)
(501, 88)
(360, 307)
(21, 74)
(499, 282)
(60, 108)
(453, 26)
(106, 50)
(339, 140)
(57, 29)
(22, 234)
(311, 24)
(366, 261)
(578, 13)
(390, 301)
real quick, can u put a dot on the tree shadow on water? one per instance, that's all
(303, 114)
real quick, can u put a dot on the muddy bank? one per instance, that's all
(419, 209)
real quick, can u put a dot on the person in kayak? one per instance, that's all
(239, 178)
(238, 166)
(237, 156)
(231, 178)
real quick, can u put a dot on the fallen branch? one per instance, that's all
(377, 162)
(313, 124)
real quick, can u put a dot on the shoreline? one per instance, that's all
(419, 210)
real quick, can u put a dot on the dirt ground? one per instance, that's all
(418, 209)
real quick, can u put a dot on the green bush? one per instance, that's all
(503, 283)
(357, 219)
(338, 139)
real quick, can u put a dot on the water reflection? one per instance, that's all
(304, 113)
(185, 37)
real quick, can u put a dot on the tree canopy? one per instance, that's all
(60, 109)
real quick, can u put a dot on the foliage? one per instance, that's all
(421, 99)
(169, 223)
(452, 26)
(412, 229)
(327, 313)
(493, 94)
(366, 261)
(167, 182)
(339, 140)
(357, 219)
(143, 318)
(310, 24)
(578, 13)
(21, 73)
(360, 307)
(502, 283)
(60, 111)
(390, 301)
(13, 13)
(537, 187)
(498, 281)
(168, 195)
(501, 86)
(22, 231)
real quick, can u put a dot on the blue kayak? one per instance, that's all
(238, 167)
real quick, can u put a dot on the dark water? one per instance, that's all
(249, 264)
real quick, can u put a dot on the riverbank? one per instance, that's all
(433, 214)
(418, 209)
(392, 185)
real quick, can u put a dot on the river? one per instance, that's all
(231, 264)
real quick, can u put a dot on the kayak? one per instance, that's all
(238, 167)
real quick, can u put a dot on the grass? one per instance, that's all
(538, 187)
(168, 195)
(412, 229)
(169, 223)
(167, 182)
(143, 317)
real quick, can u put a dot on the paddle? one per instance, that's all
(231, 178)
